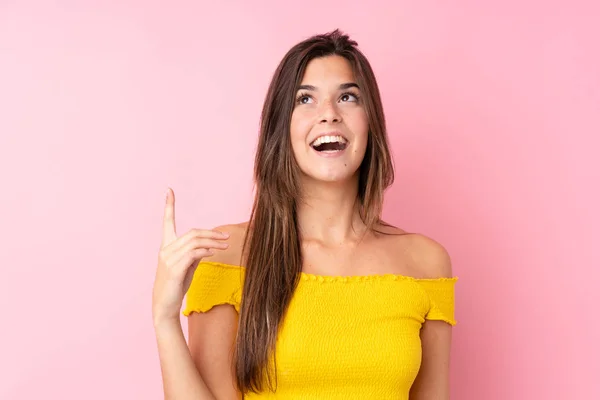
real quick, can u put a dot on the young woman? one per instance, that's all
(315, 297)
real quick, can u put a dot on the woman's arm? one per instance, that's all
(212, 334)
(433, 380)
(181, 379)
(211, 342)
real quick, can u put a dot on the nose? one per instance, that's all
(329, 113)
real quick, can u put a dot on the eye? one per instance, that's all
(349, 97)
(303, 99)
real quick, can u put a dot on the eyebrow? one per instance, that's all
(343, 86)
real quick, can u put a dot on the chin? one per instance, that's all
(331, 176)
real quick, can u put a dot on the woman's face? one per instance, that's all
(329, 128)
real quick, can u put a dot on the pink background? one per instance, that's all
(493, 113)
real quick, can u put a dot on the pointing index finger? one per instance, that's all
(169, 232)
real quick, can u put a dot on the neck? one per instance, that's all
(328, 211)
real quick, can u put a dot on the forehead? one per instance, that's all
(333, 69)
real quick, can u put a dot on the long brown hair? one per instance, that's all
(272, 247)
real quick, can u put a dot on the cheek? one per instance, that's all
(300, 126)
(358, 124)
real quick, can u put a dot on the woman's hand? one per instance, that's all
(178, 259)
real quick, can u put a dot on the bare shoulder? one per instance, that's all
(233, 254)
(427, 257)
(431, 258)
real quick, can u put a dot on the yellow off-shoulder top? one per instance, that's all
(344, 338)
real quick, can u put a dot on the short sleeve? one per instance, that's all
(214, 284)
(441, 298)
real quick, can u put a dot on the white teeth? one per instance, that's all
(328, 139)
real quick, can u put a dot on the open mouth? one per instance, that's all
(330, 144)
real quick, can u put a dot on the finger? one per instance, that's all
(169, 232)
(194, 234)
(201, 243)
(204, 233)
(189, 259)
(194, 256)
